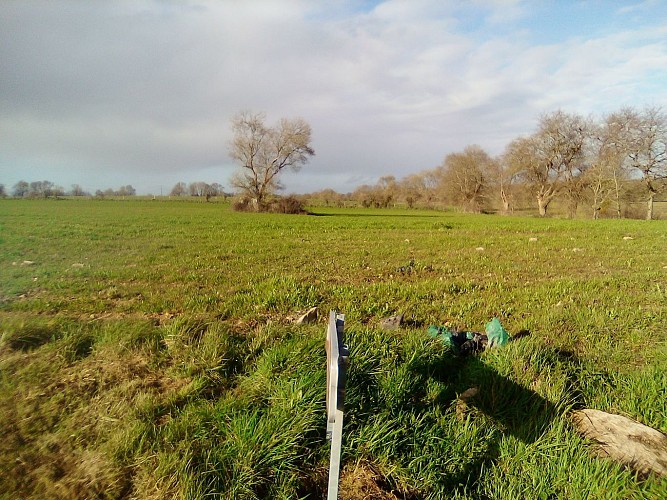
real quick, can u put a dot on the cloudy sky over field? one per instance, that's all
(142, 92)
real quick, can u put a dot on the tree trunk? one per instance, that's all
(618, 196)
(649, 207)
(505, 200)
(542, 205)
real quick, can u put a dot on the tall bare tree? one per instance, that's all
(179, 189)
(412, 189)
(607, 174)
(644, 135)
(552, 159)
(465, 177)
(264, 152)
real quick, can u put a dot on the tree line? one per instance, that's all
(48, 189)
(198, 189)
(603, 166)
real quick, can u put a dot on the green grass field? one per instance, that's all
(148, 350)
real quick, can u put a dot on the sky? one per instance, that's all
(109, 93)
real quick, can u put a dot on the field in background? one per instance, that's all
(148, 350)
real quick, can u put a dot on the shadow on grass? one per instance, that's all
(385, 216)
(446, 439)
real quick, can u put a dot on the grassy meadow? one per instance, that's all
(149, 350)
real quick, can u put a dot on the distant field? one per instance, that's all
(148, 350)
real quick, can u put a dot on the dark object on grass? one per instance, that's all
(465, 343)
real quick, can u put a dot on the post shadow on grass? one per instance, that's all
(511, 408)
(403, 395)
(515, 409)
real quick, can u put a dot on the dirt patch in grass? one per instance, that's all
(361, 482)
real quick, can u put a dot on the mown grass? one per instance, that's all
(148, 350)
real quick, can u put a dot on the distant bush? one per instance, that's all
(288, 205)
(283, 205)
(242, 204)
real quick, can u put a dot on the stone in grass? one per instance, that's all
(635, 445)
(309, 317)
(462, 402)
(392, 322)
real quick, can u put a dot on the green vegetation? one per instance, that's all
(148, 350)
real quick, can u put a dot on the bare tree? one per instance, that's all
(77, 190)
(465, 177)
(607, 173)
(551, 159)
(179, 189)
(3, 194)
(386, 190)
(505, 177)
(412, 189)
(644, 134)
(126, 191)
(264, 152)
(41, 189)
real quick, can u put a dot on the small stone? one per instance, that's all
(468, 394)
(392, 322)
(626, 238)
(309, 317)
(480, 249)
(577, 250)
(27, 263)
(462, 408)
(532, 239)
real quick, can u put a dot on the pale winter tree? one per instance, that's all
(505, 177)
(386, 190)
(3, 194)
(551, 159)
(263, 153)
(645, 136)
(179, 189)
(217, 189)
(41, 189)
(328, 196)
(57, 191)
(366, 195)
(77, 190)
(607, 174)
(465, 177)
(412, 189)
(197, 189)
(431, 180)
(126, 191)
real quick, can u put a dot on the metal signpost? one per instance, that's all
(337, 357)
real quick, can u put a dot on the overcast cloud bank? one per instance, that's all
(142, 92)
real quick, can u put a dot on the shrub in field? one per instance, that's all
(281, 205)
(288, 205)
(242, 204)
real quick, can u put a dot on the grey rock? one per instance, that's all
(392, 322)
